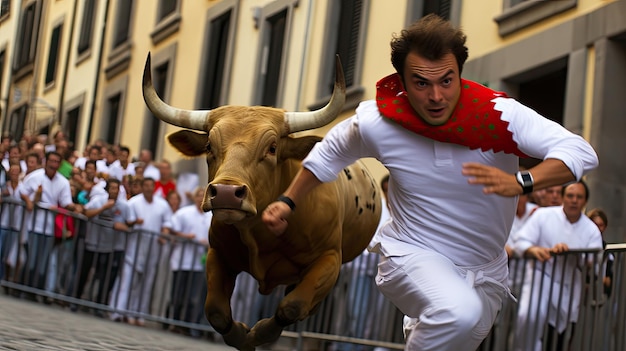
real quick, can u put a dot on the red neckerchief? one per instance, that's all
(474, 122)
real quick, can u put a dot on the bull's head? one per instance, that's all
(245, 147)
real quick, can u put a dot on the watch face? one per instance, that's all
(527, 179)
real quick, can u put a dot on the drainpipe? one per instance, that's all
(43, 20)
(66, 68)
(305, 53)
(98, 68)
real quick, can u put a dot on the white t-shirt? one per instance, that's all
(156, 215)
(56, 192)
(118, 172)
(102, 167)
(80, 162)
(187, 255)
(431, 203)
(11, 216)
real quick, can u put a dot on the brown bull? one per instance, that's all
(251, 160)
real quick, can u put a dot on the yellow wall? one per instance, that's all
(482, 31)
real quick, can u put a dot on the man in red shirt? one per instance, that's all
(166, 184)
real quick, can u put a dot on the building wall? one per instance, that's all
(591, 43)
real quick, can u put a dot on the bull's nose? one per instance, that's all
(227, 196)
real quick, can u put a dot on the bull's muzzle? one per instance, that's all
(225, 196)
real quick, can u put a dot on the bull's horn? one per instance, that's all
(299, 121)
(196, 120)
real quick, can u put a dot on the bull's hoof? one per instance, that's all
(264, 331)
(236, 337)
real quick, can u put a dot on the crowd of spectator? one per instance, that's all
(101, 225)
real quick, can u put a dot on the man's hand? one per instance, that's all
(121, 226)
(559, 248)
(494, 180)
(539, 253)
(275, 217)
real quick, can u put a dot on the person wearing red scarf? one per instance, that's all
(452, 149)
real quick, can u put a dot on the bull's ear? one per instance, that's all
(298, 148)
(190, 144)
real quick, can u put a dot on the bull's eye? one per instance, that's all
(272, 149)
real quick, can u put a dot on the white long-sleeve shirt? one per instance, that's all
(547, 227)
(431, 203)
(187, 255)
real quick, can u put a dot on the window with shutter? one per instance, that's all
(53, 55)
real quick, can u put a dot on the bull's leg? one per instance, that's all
(220, 286)
(316, 283)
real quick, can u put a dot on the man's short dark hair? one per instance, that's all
(91, 162)
(147, 179)
(124, 149)
(110, 181)
(578, 182)
(431, 37)
(53, 153)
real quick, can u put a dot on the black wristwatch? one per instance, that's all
(525, 180)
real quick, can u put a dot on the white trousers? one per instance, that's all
(134, 292)
(450, 307)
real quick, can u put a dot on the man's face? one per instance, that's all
(135, 187)
(147, 188)
(62, 147)
(110, 157)
(123, 156)
(574, 199)
(31, 163)
(14, 153)
(90, 171)
(114, 190)
(553, 196)
(145, 156)
(165, 170)
(94, 154)
(14, 172)
(52, 163)
(433, 87)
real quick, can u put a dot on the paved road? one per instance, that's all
(30, 326)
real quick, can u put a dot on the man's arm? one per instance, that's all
(495, 181)
(92, 212)
(276, 214)
(29, 204)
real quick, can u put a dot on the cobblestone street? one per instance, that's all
(27, 326)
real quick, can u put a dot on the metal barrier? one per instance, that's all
(94, 267)
(563, 303)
